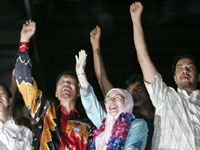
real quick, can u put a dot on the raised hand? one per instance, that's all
(27, 31)
(136, 11)
(81, 62)
(95, 35)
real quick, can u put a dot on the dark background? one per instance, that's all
(171, 27)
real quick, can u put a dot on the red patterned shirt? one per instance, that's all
(53, 128)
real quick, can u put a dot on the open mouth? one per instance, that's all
(66, 90)
(185, 77)
(112, 107)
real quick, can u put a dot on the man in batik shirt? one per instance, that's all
(54, 128)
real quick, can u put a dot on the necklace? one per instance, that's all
(119, 132)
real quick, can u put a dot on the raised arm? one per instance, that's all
(88, 98)
(147, 66)
(99, 68)
(25, 82)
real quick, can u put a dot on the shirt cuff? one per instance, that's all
(84, 92)
(23, 46)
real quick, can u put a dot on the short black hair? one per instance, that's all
(177, 58)
(7, 89)
(68, 72)
(134, 77)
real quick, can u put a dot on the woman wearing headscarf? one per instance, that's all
(117, 129)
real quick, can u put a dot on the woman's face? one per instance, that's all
(114, 102)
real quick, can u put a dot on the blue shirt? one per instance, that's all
(137, 134)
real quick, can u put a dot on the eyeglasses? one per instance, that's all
(114, 98)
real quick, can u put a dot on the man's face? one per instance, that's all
(4, 99)
(138, 92)
(186, 74)
(67, 88)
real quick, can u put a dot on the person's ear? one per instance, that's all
(56, 95)
(175, 79)
(78, 90)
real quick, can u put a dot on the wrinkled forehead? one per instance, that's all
(185, 61)
(68, 77)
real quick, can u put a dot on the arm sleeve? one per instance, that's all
(92, 106)
(137, 135)
(158, 91)
(26, 84)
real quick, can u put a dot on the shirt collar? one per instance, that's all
(195, 93)
(72, 112)
(10, 119)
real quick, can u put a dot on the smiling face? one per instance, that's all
(114, 102)
(186, 74)
(67, 88)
